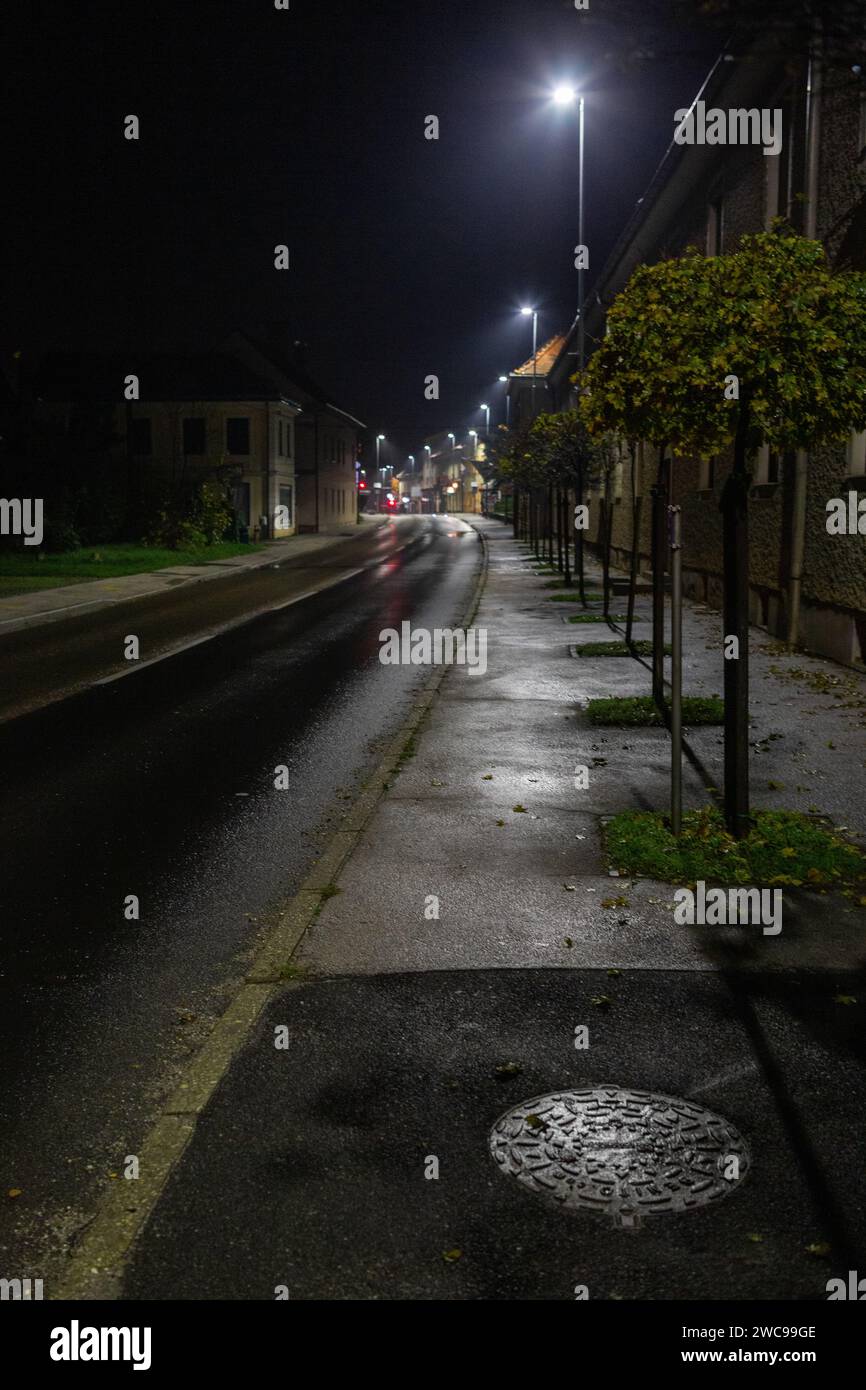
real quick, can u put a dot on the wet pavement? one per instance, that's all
(476, 928)
(161, 785)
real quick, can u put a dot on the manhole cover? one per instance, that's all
(626, 1153)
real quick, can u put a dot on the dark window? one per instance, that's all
(193, 436)
(141, 438)
(286, 501)
(774, 468)
(238, 435)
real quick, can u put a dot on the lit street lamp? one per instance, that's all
(486, 408)
(507, 402)
(565, 95)
(534, 312)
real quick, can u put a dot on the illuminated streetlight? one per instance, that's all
(487, 426)
(564, 95)
(534, 312)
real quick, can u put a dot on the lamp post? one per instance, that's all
(565, 95)
(534, 312)
(507, 402)
(486, 409)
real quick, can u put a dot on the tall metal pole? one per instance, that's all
(580, 332)
(674, 520)
(534, 357)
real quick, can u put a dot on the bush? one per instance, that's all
(197, 520)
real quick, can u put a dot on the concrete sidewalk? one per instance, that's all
(513, 737)
(410, 1031)
(71, 600)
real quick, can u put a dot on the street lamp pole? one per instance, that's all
(486, 409)
(507, 402)
(581, 243)
(534, 312)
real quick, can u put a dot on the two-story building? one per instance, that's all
(177, 418)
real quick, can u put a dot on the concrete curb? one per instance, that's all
(95, 1267)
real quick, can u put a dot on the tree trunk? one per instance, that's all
(734, 506)
(558, 514)
(578, 539)
(659, 551)
(635, 531)
(567, 518)
(605, 555)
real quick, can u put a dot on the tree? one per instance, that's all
(766, 345)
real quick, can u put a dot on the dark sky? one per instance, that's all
(306, 127)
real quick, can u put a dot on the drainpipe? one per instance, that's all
(810, 229)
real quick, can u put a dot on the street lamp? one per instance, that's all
(565, 95)
(473, 435)
(487, 426)
(526, 311)
(507, 402)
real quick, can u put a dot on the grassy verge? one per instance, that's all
(616, 649)
(642, 710)
(597, 618)
(22, 573)
(570, 597)
(784, 848)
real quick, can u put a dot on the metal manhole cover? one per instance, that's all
(626, 1153)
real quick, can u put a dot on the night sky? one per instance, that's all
(259, 127)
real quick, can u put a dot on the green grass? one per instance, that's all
(616, 649)
(597, 618)
(104, 562)
(784, 848)
(642, 710)
(11, 586)
(570, 598)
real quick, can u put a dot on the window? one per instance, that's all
(286, 501)
(194, 436)
(768, 466)
(238, 435)
(706, 475)
(141, 436)
(856, 454)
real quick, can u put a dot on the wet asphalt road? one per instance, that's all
(161, 785)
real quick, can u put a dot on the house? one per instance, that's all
(533, 389)
(806, 586)
(327, 437)
(195, 414)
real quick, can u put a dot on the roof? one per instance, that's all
(544, 358)
(295, 374)
(162, 377)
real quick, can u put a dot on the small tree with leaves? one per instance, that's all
(765, 345)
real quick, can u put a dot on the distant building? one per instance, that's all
(248, 412)
(532, 387)
(327, 437)
(197, 414)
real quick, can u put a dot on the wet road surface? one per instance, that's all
(161, 786)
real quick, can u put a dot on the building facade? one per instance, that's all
(806, 586)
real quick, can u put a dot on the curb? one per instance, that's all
(96, 1265)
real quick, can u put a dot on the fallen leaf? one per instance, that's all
(451, 1255)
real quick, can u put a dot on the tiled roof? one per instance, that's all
(545, 358)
